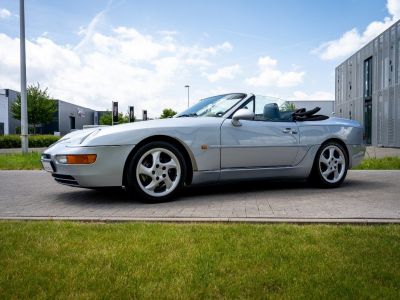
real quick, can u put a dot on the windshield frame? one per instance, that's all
(187, 113)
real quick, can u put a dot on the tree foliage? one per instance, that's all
(106, 118)
(288, 106)
(40, 106)
(167, 113)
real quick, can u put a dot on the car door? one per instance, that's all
(259, 143)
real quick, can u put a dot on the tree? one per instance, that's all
(106, 118)
(287, 106)
(41, 107)
(168, 113)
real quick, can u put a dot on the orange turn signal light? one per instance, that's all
(81, 159)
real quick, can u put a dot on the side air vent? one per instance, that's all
(65, 179)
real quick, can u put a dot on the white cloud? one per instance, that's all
(167, 32)
(353, 40)
(318, 95)
(4, 13)
(228, 72)
(270, 75)
(393, 7)
(124, 65)
(89, 31)
(226, 46)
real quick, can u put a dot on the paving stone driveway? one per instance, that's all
(366, 196)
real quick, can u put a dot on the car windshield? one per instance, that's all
(215, 106)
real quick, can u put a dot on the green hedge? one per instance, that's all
(35, 141)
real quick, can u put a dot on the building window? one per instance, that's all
(72, 122)
(368, 78)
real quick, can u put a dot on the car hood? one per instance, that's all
(131, 133)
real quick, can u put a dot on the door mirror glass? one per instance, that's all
(242, 114)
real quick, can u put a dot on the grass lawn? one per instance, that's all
(18, 161)
(31, 161)
(180, 261)
(386, 163)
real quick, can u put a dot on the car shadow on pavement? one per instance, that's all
(244, 187)
(96, 197)
(106, 196)
(109, 196)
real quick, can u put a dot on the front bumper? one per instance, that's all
(107, 170)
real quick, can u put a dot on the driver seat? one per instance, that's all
(271, 112)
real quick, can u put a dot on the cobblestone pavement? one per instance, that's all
(366, 196)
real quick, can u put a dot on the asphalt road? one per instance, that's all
(366, 196)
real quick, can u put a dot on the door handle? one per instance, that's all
(289, 130)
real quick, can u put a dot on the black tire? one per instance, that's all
(317, 176)
(137, 189)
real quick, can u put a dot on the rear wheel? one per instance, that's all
(156, 172)
(330, 165)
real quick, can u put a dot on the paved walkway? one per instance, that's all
(366, 196)
(381, 152)
(18, 150)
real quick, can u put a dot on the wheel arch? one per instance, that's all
(187, 154)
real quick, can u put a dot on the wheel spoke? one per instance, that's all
(336, 174)
(169, 165)
(340, 160)
(168, 182)
(156, 157)
(331, 153)
(324, 160)
(152, 185)
(144, 170)
(327, 172)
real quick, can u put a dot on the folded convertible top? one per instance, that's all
(302, 114)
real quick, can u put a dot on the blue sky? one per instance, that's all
(142, 53)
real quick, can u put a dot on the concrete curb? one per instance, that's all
(365, 221)
(18, 150)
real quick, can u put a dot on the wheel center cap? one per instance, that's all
(159, 172)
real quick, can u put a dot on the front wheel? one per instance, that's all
(330, 165)
(156, 172)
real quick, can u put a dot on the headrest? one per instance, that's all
(271, 112)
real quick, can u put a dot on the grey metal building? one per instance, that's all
(367, 88)
(67, 117)
(7, 123)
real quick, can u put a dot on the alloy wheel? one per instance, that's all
(332, 164)
(158, 172)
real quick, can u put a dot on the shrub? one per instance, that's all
(35, 141)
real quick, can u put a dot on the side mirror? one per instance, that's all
(242, 114)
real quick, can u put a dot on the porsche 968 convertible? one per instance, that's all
(235, 136)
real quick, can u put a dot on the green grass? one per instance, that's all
(386, 163)
(18, 161)
(197, 261)
(31, 161)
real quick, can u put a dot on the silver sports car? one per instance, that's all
(227, 137)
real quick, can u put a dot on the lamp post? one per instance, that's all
(187, 86)
(24, 109)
